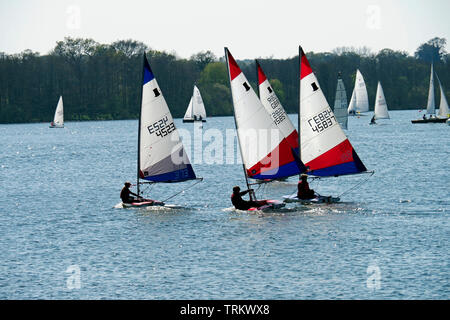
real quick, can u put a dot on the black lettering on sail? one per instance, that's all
(156, 92)
(246, 86)
(314, 86)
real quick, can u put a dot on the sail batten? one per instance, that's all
(325, 149)
(162, 157)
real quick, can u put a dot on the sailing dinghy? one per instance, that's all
(161, 155)
(196, 109)
(266, 150)
(340, 104)
(443, 113)
(359, 102)
(380, 109)
(58, 119)
(276, 111)
(325, 149)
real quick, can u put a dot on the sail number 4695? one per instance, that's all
(161, 128)
(322, 121)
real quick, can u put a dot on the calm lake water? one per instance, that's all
(62, 238)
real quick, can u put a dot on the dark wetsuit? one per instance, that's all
(125, 195)
(241, 204)
(304, 192)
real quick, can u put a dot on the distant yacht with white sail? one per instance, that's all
(340, 104)
(58, 120)
(443, 113)
(196, 109)
(380, 109)
(359, 102)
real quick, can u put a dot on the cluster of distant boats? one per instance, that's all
(319, 147)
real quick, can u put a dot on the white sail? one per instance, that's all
(58, 119)
(381, 109)
(189, 115)
(340, 104)
(196, 109)
(431, 108)
(162, 157)
(197, 104)
(361, 98)
(352, 105)
(444, 111)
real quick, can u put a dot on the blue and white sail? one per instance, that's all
(162, 157)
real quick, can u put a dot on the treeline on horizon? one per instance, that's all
(103, 81)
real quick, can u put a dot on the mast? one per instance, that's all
(193, 101)
(300, 51)
(251, 193)
(139, 128)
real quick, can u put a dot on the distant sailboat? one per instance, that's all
(380, 109)
(325, 149)
(196, 109)
(58, 120)
(340, 104)
(161, 155)
(359, 102)
(444, 112)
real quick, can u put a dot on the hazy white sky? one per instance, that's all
(250, 28)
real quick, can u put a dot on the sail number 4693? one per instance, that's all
(161, 128)
(322, 121)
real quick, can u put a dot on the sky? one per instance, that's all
(249, 28)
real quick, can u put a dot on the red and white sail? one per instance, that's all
(325, 148)
(274, 107)
(265, 151)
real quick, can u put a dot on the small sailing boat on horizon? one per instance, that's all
(324, 148)
(161, 155)
(443, 113)
(359, 102)
(380, 110)
(58, 119)
(196, 108)
(340, 104)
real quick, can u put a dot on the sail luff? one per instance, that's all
(251, 194)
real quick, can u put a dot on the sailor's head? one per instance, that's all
(127, 184)
(304, 177)
(236, 189)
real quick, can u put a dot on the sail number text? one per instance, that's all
(161, 128)
(278, 115)
(322, 121)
